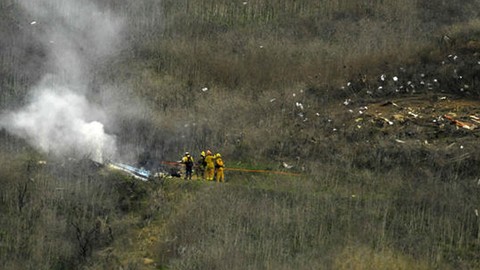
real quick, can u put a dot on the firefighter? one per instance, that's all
(219, 167)
(210, 166)
(201, 165)
(188, 161)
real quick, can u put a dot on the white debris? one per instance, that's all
(349, 83)
(380, 87)
(347, 101)
(399, 141)
(476, 212)
(317, 114)
(395, 78)
(261, 47)
(273, 99)
(461, 146)
(244, 3)
(294, 95)
(33, 23)
(435, 80)
(386, 120)
(286, 166)
(334, 129)
(413, 114)
(382, 77)
(422, 75)
(204, 89)
(299, 105)
(455, 58)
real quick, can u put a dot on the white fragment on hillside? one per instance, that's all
(299, 105)
(204, 89)
(287, 166)
(33, 23)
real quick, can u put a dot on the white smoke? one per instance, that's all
(58, 118)
(56, 121)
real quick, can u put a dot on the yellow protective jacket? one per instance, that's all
(210, 162)
(219, 163)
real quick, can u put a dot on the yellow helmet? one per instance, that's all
(202, 154)
(218, 155)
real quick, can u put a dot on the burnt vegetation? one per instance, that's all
(387, 182)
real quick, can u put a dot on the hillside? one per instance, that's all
(373, 106)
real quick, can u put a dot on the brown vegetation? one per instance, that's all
(263, 82)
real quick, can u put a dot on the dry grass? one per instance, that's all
(365, 201)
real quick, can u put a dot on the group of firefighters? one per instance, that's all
(208, 166)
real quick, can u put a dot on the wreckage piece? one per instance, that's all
(138, 173)
(458, 123)
(475, 119)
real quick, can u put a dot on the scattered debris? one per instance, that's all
(286, 166)
(299, 105)
(387, 121)
(459, 123)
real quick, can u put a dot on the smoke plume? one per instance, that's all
(59, 122)
(58, 118)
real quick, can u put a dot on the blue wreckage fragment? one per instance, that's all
(135, 172)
